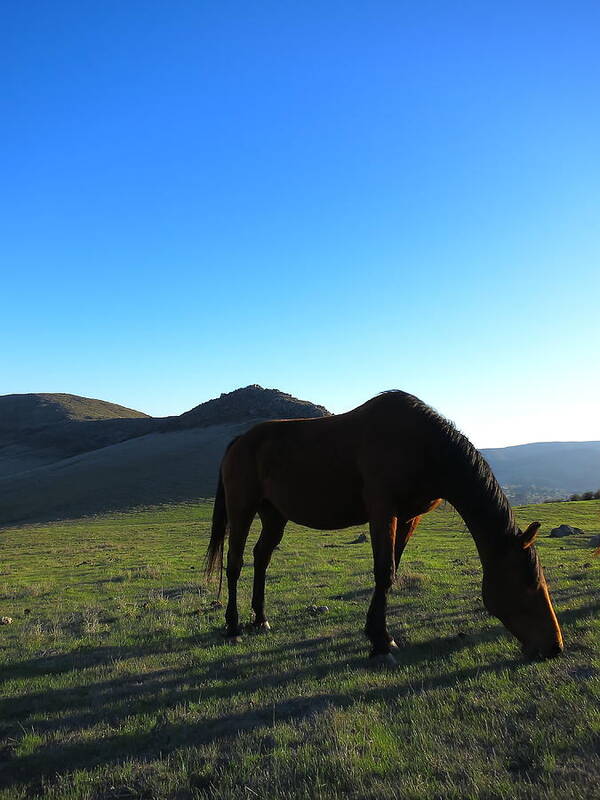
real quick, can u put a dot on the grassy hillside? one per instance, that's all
(21, 411)
(74, 464)
(116, 682)
(41, 429)
(156, 468)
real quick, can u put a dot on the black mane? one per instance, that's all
(462, 460)
(533, 568)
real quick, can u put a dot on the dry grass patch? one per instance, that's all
(24, 591)
(411, 581)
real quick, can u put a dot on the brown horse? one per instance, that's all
(387, 462)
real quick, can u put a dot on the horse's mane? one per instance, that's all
(532, 567)
(461, 457)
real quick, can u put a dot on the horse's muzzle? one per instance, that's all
(539, 654)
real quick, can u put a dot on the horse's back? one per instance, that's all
(326, 472)
(306, 468)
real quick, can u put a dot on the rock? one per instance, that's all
(315, 611)
(595, 541)
(362, 537)
(564, 530)
(5, 620)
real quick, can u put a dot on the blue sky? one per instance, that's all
(331, 198)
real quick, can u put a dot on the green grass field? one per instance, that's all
(117, 683)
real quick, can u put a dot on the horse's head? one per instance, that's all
(515, 591)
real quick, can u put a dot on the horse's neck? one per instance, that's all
(486, 513)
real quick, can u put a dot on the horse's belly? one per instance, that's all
(320, 507)
(329, 522)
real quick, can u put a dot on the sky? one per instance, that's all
(329, 198)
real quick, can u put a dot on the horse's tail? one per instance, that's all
(218, 534)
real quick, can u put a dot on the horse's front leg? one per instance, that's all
(383, 535)
(404, 530)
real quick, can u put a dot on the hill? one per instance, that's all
(40, 429)
(251, 402)
(147, 470)
(80, 466)
(20, 412)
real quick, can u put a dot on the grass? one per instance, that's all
(116, 682)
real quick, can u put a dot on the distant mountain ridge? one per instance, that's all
(64, 456)
(544, 470)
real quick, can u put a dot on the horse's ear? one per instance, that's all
(527, 538)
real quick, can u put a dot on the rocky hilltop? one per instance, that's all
(251, 402)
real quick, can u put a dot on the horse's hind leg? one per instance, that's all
(273, 524)
(239, 525)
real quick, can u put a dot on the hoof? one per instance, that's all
(384, 661)
(261, 627)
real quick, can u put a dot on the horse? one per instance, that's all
(385, 463)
